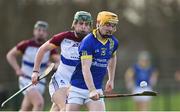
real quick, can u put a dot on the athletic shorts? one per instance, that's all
(142, 98)
(81, 96)
(25, 80)
(61, 78)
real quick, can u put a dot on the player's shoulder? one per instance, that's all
(152, 68)
(25, 42)
(22, 45)
(64, 34)
(114, 39)
(88, 40)
(88, 37)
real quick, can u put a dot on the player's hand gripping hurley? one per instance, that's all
(145, 93)
(48, 71)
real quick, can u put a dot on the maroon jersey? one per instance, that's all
(29, 49)
(68, 43)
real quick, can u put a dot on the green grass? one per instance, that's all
(158, 103)
(162, 102)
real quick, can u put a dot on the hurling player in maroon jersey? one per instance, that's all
(68, 42)
(33, 100)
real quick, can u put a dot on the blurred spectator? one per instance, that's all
(142, 70)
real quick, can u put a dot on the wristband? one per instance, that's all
(35, 71)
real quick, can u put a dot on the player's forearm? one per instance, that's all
(112, 68)
(88, 79)
(86, 64)
(39, 55)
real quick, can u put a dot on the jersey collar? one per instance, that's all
(100, 39)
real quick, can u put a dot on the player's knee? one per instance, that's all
(39, 103)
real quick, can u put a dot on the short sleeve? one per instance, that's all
(86, 48)
(57, 39)
(21, 46)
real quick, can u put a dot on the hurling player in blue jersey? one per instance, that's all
(97, 58)
(141, 71)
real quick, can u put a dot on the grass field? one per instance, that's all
(158, 103)
(162, 102)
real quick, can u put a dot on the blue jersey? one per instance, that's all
(100, 53)
(142, 74)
